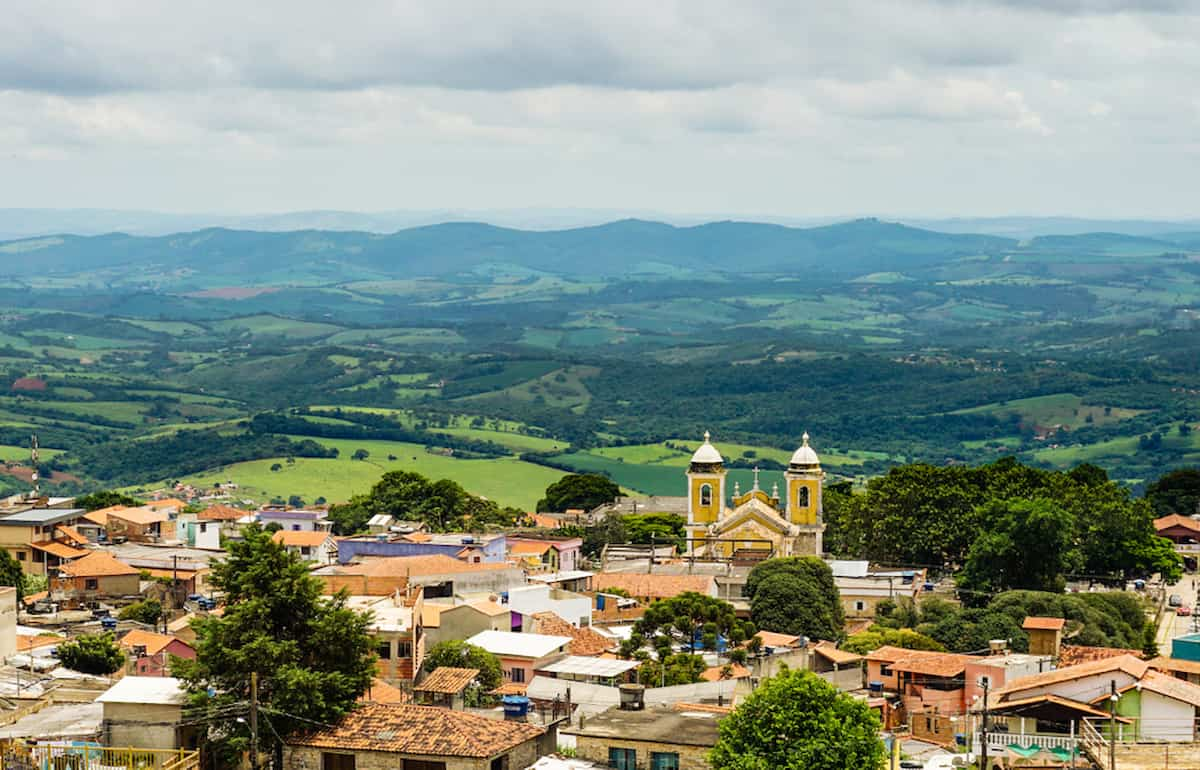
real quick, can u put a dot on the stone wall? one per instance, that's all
(307, 758)
(596, 750)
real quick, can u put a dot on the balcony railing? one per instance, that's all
(65, 756)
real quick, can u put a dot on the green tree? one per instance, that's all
(443, 504)
(1175, 492)
(578, 490)
(11, 574)
(798, 721)
(690, 620)
(91, 654)
(455, 653)
(796, 595)
(660, 528)
(313, 654)
(148, 611)
(877, 636)
(1029, 546)
(105, 499)
(674, 669)
(360, 454)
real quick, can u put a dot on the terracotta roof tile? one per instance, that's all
(140, 516)
(546, 522)
(653, 586)
(432, 564)
(529, 548)
(382, 692)
(1171, 687)
(71, 534)
(97, 564)
(1127, 663)
(829, 651)
(772, 639)
(220, 513)
(1175, 520)
(1073, 655)
(26, 643)
(296, 539)
(1175, 664)
(509, 688)
(420, 730)
(584, 641)
(61, 550)
(445, 679)
(154, 643)
(100, 516)
(1043, 624)
(939, 664)
(717, 673)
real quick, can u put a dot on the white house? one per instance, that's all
(312, 546)
(574, 608)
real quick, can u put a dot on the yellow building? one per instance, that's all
(755, 524)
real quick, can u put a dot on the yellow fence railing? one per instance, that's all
(18, 756)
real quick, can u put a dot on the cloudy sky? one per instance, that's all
(905, 107)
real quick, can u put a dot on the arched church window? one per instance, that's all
(802, 497)
(706, 494)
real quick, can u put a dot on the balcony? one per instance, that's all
(18, 756)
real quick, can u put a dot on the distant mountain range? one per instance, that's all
(25, 223)
(618, 248)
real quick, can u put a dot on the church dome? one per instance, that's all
(707, 454)
(805, 456)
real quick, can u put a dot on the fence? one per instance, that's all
(62, 756)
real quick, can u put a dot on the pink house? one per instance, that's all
(519, 653)
(150, 653)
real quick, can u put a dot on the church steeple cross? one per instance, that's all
(756, 478)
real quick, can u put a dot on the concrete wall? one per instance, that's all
(464, 621)
(138, 724)
(574, 608)
(493, 552)
(1085, 689)
(8, 622)
(306, 758)
(596, 750)
(1165, 719)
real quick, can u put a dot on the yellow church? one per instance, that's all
(754, 522)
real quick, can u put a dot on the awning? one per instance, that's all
(1024, 751)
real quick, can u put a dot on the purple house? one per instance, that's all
(295, 521)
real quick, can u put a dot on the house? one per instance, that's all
(150, 653)
(569, 580)
(170, 506)
(141, 525)
(411, 737)
(678, 736)
(460, 621)
(99, 574)
(196, 532)
(861, 595)
(379, 524)
(521, 654)
(1151, 705)
(648, 588)
(472, 548)
(439, 575)
(147, 711)
(399, 634)
(1045, 635)
(20, 526)
(226, 520)
(294, 520)
(531, 600)
(608, 672)
(445, 686)
(1183, 531)
(838, 667)
(548, 554)
(316, 545)
(585, 641)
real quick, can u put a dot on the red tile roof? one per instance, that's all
(1175, 520)
(432, 564)
(718, 673)
(72, 534)
(382, 692)
(420, 730)
(154, 643)
(1043, 624)
(1126, 663)
(290, 538)
(584, 641)
(447, 680)
(1073, 655)
(220, 513)
(61, 550)
(97, 564)
(653, 586)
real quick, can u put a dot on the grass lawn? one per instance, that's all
(1056, 409)
(508, 481)
(20, 454)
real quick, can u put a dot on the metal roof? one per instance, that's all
(156, 690)
(559, 577)
(516, 645)
(581, 666)
(41, 516)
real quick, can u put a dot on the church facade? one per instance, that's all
(732, 525)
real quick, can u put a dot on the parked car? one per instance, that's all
(1184, 610)
(1175, 600)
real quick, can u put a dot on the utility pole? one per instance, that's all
(253, 720)
(983, 728)
(1112, 726)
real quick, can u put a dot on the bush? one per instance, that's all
(92, 654)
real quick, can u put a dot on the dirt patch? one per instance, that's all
(25, 473)
(233, 292)
(29, 384)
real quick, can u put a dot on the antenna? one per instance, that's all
(33, 460)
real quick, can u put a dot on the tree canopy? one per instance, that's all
(91, 654)
(1176, 492)
(11, 574)
(690, 620)
(313, 654)
(578, 490)
(443, 504)
(796, 595)
(798, 721)
(105, 499)
(1029, 546)
(455, 653)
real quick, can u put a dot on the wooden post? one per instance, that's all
(254, 720)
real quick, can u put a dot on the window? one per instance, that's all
(885, 670)
(860, 606)
(517, 675)
(404, 649)
(706, 494)
(20, 556)
(421, 764)
(203, 526)
(500, 763)
(802, 497)
(305, 550)
(622, 759)
(91, 584)
(295, 527)
(664, 760)
(337, 761)
(385, 651)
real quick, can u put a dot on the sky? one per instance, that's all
(903, 107)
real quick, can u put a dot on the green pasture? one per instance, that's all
(1056, 409)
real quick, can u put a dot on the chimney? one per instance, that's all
(633, 697)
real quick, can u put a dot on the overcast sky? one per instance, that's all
(905, 107)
